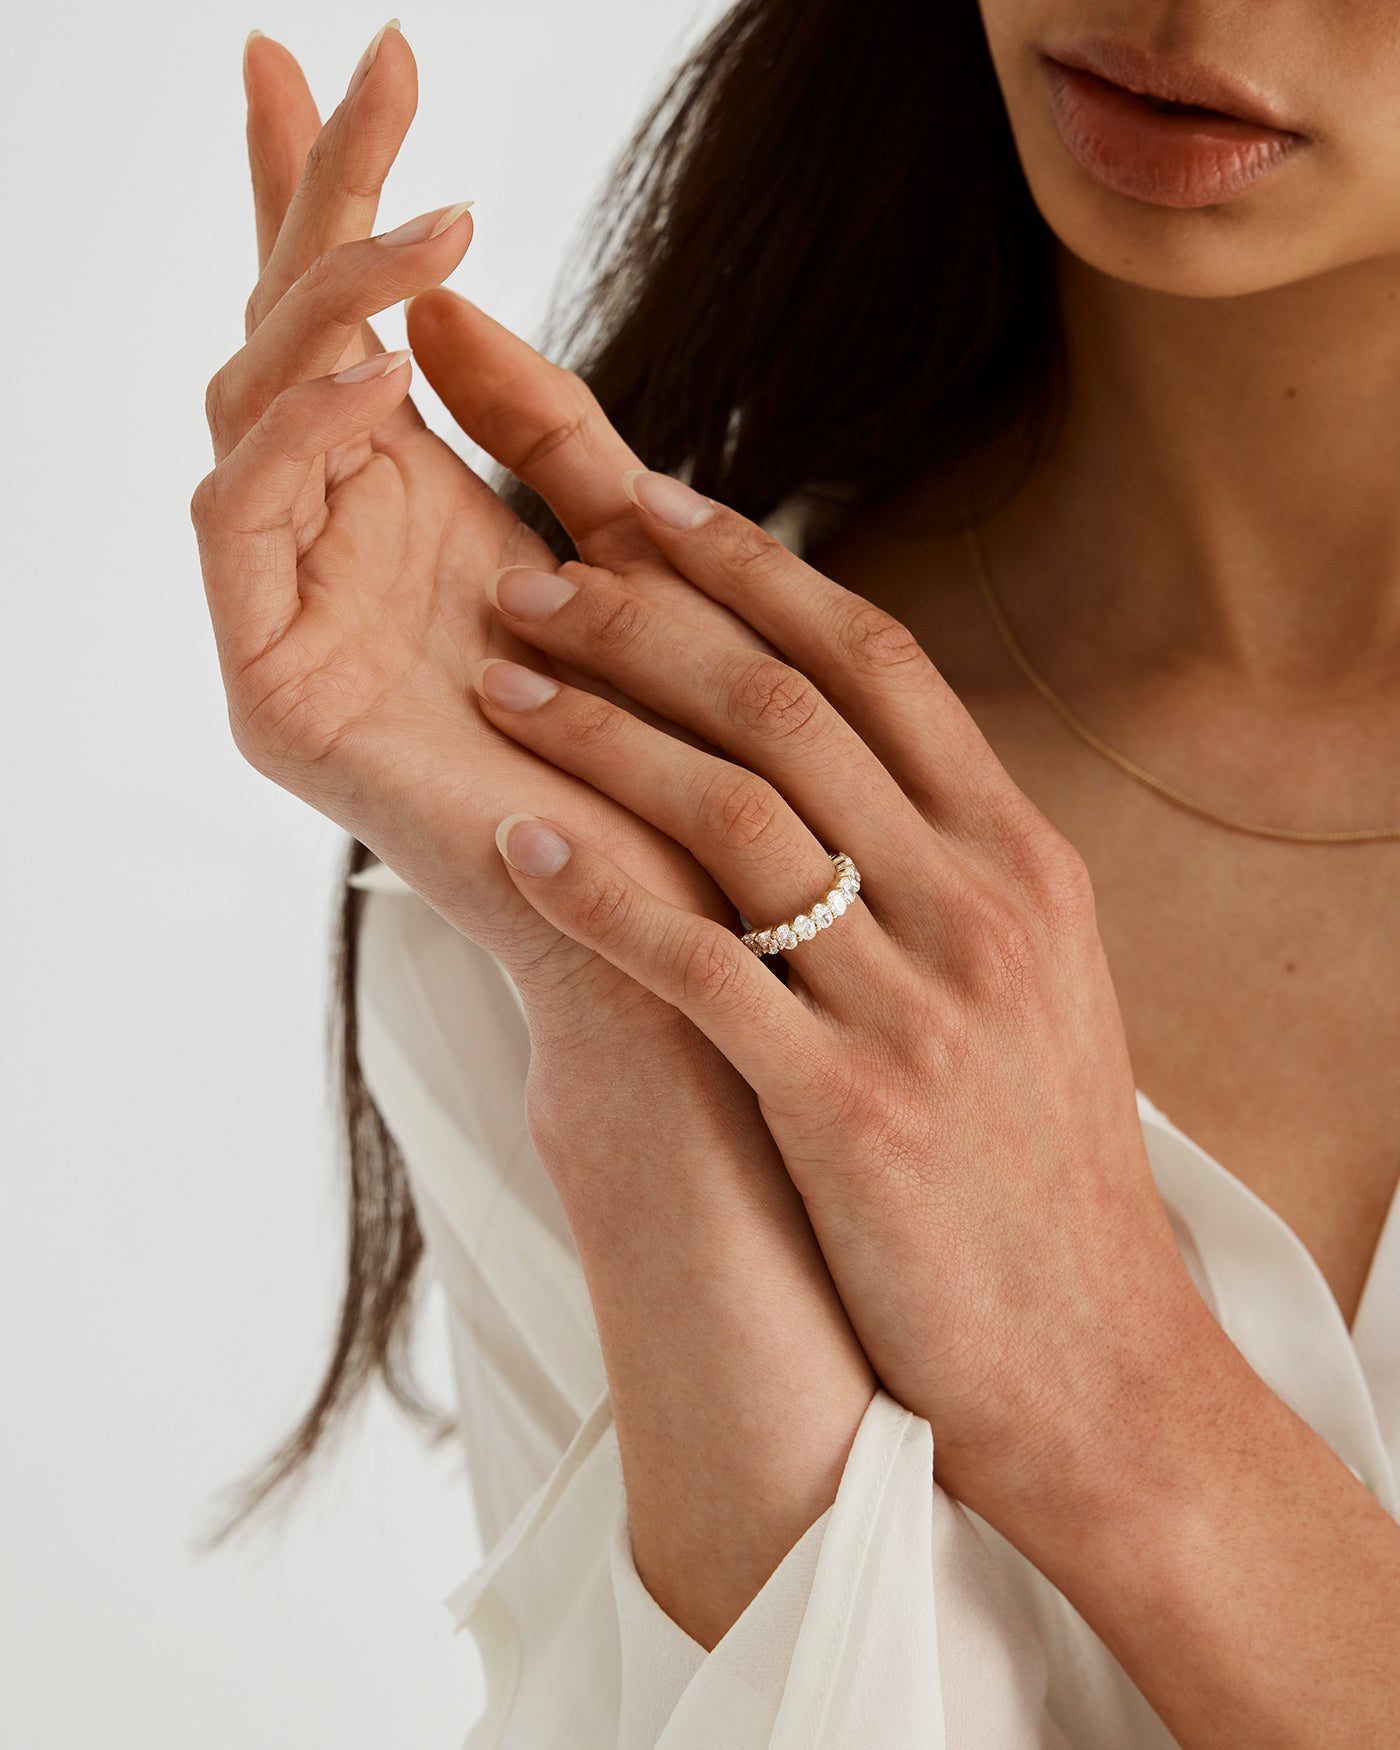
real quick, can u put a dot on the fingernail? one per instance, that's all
(246, 42)
(511, 685)
(366, 60)
(378, 364)
(426, 226)
(669, 500)
(530, 846)
(527, 593)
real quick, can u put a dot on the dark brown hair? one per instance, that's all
(817, 268)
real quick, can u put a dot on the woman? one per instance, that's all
(1054, 360)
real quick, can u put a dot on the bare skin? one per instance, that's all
(1255, 977)
(715, 1309)
(635, 1315)
(1246, 1580)
(1208, 569)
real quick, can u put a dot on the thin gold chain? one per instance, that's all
(1085, 734)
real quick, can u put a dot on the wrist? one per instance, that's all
(1151, 1468)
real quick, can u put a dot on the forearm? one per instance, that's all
(1244, 1578)
(736, 1381)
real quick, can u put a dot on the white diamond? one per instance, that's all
(821, 915)
(848, 886)
(785, 937)
(804, 926)
(836, 902)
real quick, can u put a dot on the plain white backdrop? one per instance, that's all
(170, 1232)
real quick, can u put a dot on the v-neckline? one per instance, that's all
(1386, 1241)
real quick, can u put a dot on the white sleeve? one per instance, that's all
(887, 1623)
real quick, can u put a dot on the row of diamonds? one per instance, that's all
(822, 915)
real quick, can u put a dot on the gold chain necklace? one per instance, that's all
(1085, 734)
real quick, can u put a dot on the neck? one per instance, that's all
(1223, 494)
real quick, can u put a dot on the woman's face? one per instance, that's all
(1195, 204)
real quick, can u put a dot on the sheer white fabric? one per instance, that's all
(899, 1618)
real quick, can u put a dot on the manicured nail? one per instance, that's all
(527, 593)
(378, 364)
(246, 41)
(366, 60)
(669, 500)
(426, 226)
(511, 685)
(530, 846)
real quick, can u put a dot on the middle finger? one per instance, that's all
(338, 195)
(735, 825)
(754, 707)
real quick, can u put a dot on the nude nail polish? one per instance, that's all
(426, 226)
(534, 848)
(366, 60)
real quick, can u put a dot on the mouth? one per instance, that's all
(1174, 84)
(1171, 133)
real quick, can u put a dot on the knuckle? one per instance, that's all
(1006, 947)
(711, 972)
(874, 642)
(348, 162)
(254, 310)
(1050, 870)
(279, 434)
(1063, 883)
(322, 274)
(753, 552)
(348, 282)
(617, 621)
(216, 399)
(738, 810)
(603, 912)
(773, 699)
(594, 723)
(576, 410)
(202, 502)
(317, 160)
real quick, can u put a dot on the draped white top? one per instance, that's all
(899, 1618)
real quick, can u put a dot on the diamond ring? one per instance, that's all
(805, 925)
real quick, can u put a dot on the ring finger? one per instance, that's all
(754, 707)
(731, 821)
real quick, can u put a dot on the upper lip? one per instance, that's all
(1176, 78)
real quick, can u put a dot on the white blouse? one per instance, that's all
(899, 1618)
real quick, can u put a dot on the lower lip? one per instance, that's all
(1171, 159)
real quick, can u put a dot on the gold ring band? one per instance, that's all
(779, 937)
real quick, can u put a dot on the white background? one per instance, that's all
(170, 1223)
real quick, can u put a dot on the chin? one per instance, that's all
(1154, 214)
(1225, 251)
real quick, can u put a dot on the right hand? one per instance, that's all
(345, 547)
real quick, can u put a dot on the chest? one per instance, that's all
(1259, 981)
(1259, 984)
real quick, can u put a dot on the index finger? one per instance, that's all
(282, 126)
(866, 662)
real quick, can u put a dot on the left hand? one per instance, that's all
(945, 1072)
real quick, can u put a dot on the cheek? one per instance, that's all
(1333, 202)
